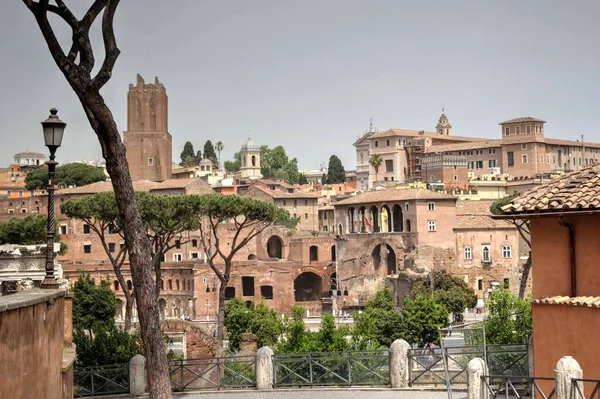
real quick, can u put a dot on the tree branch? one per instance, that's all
(110, 46)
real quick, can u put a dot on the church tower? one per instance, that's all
(147, 140)
(250, 155)
(443, 126)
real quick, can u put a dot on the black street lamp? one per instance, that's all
(53, 129)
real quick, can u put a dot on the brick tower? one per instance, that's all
(147, 140)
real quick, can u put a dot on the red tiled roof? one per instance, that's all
(586, 301)
(522, 120)
(394, 195)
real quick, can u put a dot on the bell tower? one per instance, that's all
(443, 126)
(250, 155)
(147, 140)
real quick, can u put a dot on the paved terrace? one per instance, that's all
(313, 393)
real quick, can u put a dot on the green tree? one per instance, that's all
(523, 227)
(375, 161)
(96, 336)
(302, 179)
(235, 165)
(423, 317)
(275, 163)
(219, 147)
(209, 153)
(324, 178)
(259, 320)
(71, 174)
(188, 157)
(335, 171)
(198, 157)
(247, 217)
(379, 324)
(448, 290)
(509, 320)
(30, 230)
(294, 334)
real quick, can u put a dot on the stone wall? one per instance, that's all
(199, 343)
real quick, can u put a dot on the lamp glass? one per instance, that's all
(53, 135)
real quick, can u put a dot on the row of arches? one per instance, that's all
(275, 250)
(377, 220)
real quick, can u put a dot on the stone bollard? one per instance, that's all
(566, 369)
(476, 388)
(138, 383)
(264, 368)
(399, 363)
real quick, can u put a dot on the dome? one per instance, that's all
(250, 145)
(205, 162)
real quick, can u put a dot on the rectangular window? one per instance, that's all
(524, 146)
(194, 243)
(23, 210)
(468, 251)
(541, 158)
(517, 130)
(528, 129)
(389, 165)
(406, 206)
(507, 251)
(177, 257)
(111, 247)
(506, 283)
(492, 151)
(266, 291)
(20, 193)
(480, 284)
(524, 158)
(63, 229)
(455, 177)
(376, 143)
(284, 202)
(112, 229)
(511, 158)
(431, 206)
(492, 163)
(177, 244)
(11, 211)
(507, 131)
(387, 143)
(8, 193)
(229, 292)
(470, 165)
(86, 229)
(306, 216)
(87, 249)
(247, 286)
(431, 225)
(194, 255)
(479, 165)
(150, 161)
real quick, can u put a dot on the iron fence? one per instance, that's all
(578, 391)
(217, 373)
(101, 380)
(511, 386)
(331, 368)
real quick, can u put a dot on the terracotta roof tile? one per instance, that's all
(103, 186)
(523, 119)
(477, 215)
(278, 194)
(575, 191)
(586, 301)
(464, 146)
(394, 195)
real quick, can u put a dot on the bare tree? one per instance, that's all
(77, 65)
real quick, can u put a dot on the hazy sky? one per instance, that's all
(308, 74)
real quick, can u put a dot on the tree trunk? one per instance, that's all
(525, 276)
(221, 314)
(128, 311)
(138, 245)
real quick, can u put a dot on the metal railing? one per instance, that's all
(331, 368)
(217, 373)
(101, 380)
(507, 386)
(577, 388)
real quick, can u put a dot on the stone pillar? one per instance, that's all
(138, 384)
(530, 360)
(566, 369)
(476, 388)
(399, 363)
(264, 369)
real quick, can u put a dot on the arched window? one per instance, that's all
(116, 284)
(170, 284)
(333, 254)
(275, 247)
(408, 225)
(177, 285)
(129, 285)
(162, 284)
(253, 160)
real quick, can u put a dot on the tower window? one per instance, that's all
(150, 161)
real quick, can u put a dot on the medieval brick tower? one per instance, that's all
(147, 140)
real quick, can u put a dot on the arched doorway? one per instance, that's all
(397, 217)
(275, 247)
(119, 309)
(386, 219)
(384, 255)
(162, 306)
(307, 287)
(374, 213)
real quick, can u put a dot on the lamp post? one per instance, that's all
(53, 129)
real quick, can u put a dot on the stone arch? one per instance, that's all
(386, 219)
(362, 216)
(129, 285)
(275, 247)
(169, 284)
(397, 216)
(307, 287)
(253, 160)
(313, 253)
(177, 285)
(119, 309)
(251, 257)
(384, 255)
(116, 285)
(162, 306)
(351, 221)
(408, 225)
